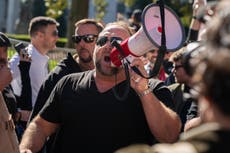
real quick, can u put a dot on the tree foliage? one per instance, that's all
(182, 8)
(55, 8)
(79, 9)
(128, 3)
(100, 6)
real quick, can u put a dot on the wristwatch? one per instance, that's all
(145, 92)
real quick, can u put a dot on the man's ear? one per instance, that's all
(39, 34)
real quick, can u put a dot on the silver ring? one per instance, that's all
(137, 80)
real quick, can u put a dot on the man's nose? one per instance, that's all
(109, 46)
(82, 42)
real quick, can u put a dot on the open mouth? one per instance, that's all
(107, 59)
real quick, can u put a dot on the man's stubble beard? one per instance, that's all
(111, 73)
(87, 60)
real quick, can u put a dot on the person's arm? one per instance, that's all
(25, 98)
(163, 122)
(36, 134)
(26, 93)
(195, 24)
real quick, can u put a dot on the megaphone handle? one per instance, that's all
(162, 13)
(163, 48)
(117, 45)
(157, 65)
(137, 71)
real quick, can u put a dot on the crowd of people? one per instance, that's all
(76, 107)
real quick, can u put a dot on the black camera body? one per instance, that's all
(20, 47)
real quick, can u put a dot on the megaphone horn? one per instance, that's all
(148, 37)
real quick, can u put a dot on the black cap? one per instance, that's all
(4, 40)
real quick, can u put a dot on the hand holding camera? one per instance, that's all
(23, 52)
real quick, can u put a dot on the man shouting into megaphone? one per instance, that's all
(91, 119)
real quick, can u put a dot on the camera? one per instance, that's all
(20, 47)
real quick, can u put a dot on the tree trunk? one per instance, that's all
(24, 17)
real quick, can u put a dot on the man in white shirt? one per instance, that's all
(44, 35)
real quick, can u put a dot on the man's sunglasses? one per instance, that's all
(103, 40)
(55, 33)
(87, 38)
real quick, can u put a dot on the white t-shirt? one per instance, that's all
(38, 72)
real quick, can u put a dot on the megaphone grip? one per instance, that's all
(117, 54)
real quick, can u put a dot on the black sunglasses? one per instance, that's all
(55, 33)
(87, 38)
(103, 40)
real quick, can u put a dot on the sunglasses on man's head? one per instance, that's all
(55, 33)
(87, 38)
(103, 40)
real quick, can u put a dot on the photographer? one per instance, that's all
(44, 35)
(24, 101)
